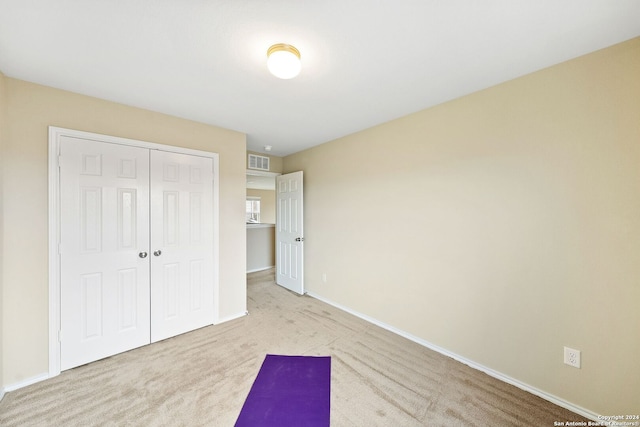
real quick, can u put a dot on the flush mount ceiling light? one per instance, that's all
(283, 61)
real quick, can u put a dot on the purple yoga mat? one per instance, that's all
(289, 391)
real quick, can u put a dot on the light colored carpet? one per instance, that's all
(203, 377)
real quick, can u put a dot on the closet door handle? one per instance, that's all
(157, 253)
(142, 254)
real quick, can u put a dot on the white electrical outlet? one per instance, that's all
(324, 277)
(572, 357)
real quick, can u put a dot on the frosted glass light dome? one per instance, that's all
(283, 61)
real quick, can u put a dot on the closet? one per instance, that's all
(136, 246)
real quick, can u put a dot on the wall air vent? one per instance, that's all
(258, 162)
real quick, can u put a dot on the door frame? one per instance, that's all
(54, 216)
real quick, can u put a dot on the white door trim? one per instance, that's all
(55, 133)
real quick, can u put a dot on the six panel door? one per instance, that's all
(290, 232)
(181, 243)
(104, 294)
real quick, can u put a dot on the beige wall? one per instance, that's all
(31, 109)
(261, 247)
(501, 226)
(267, 204)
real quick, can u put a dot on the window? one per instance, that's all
(253, 209)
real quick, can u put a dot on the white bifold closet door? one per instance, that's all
(181, 243)
(136, 247)
(104, 294)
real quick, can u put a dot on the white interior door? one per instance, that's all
(104, 239)
(181, 243)
(289, 232)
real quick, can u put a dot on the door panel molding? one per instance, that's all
(128, 169)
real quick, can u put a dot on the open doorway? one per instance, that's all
(260, 217)
(261, 191)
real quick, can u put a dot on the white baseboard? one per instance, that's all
(1, 394)
(232, 317)
(495, 374)
(26, 382)
(255, 270)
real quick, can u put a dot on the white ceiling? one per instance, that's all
(364, 61)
